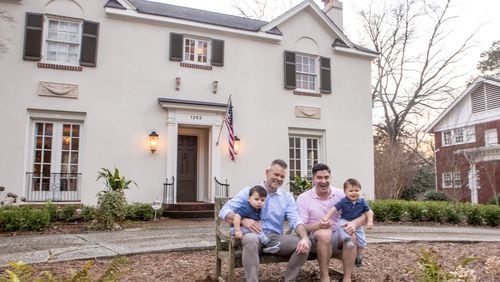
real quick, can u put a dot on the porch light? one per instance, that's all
(236, 144)
(153, 141)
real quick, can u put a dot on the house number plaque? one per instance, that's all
(196, 117)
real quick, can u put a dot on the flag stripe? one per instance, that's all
(229, 124)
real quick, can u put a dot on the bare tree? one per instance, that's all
(4, 42)
(415, 68)
(262, 9)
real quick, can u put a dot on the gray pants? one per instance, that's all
(288, 244)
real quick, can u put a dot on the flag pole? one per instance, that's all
(222, 124)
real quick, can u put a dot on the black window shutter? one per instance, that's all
(290, 82)
(176, 46)
(325, 76)
(33, 37)
(217, 52)
(88, 54)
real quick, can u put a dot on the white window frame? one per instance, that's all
(315, 74)
(457, 136)
(451, 179)
(491, 137)
(305, 162)
(46, 40)
(60, 118)
(196, 58)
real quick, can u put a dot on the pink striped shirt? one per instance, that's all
(312, 208)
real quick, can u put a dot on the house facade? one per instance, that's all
(467, 146)
(84, 84)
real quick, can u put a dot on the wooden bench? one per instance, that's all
(227, 248)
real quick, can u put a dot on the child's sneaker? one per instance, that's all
(348, 243)
(359, 261)
(271, 247)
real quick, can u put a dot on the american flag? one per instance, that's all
(229, 124)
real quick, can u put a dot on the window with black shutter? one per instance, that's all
(290, 82)
(66, 43)
(217, 52)
(33, 37)
(88, 53)
(176, 46)
(325, 76)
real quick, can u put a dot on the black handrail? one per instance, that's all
(221, 189)
(168, 191)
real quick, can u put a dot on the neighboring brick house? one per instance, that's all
(84, 83)
(467, 143)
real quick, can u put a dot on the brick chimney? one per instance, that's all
(334, 9)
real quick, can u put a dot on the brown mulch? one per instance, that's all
(382, 262)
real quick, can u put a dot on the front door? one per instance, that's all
(186, 168)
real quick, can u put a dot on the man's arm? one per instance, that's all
(304, 244)
(369, 217)
(237, 226)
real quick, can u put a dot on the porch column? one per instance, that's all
(215, 158)
(473, 183)
(172, 135)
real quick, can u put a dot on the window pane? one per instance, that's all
(76, 130)
(74, 144)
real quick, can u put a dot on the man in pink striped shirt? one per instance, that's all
(313, 205)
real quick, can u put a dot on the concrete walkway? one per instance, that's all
(193, 235)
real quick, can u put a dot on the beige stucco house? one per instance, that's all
(84, 83)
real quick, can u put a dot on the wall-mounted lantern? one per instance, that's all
(177, 83)
(215, 85)
(153, 141)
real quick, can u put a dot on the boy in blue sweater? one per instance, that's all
(352, 206)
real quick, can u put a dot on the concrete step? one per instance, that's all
(189, 214)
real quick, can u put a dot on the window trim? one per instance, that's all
(490, 131)
(197, 40)
(316, 73)
(45, 39)
(454, 178)
(303, 134)
(468, 135)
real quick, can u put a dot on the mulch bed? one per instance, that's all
(382, 262)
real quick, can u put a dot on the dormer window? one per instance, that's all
(196, 50)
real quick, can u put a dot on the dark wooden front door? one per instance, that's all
(186, 168)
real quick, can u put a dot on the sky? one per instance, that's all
(471, 15)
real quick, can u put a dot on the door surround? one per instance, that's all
(186, 113)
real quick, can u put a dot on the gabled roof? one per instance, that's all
(342, 43)
(195, 15)
(470, 89)
(309, 4)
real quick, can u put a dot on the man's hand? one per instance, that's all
(238, 234)
(304, 246)
(325, 224)
(349, 228)
(252, 225)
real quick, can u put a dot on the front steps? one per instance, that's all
(189, 210)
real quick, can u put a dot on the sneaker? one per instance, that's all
(271, 247)
(348, 243)
(359, 261)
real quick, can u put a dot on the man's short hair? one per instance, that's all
(319, 167)
(259, 190)
(280, 162)
(352, 182)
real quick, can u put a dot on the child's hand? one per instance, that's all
(238, 234)
(369, 225)
(324, 219)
